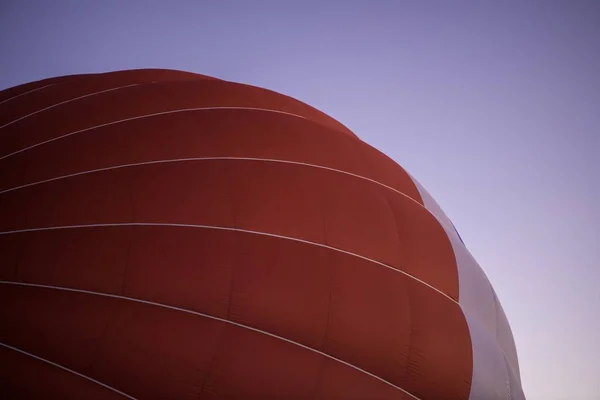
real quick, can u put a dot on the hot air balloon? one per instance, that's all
(168, 235)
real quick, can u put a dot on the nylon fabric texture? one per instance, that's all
(165, 234)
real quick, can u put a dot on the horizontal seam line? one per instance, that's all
(16, 349)
(153, 303)
(27, 92)
(232, 229)
(175, 160)
(149, 116)
(68, 101)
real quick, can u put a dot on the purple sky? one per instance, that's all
(493, 105)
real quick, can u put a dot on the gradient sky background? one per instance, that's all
(493, 105)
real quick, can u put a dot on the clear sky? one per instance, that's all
(493, 105)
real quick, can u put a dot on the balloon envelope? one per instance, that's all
(170, 235)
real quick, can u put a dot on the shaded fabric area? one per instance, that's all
(176, 236)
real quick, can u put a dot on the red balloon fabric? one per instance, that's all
(168, 235)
